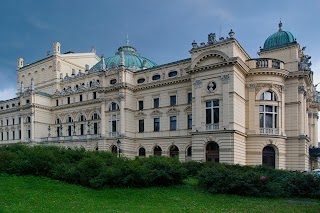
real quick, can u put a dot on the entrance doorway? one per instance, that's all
(212, 152)
(269, 157)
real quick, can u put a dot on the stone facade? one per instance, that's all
(219, 105)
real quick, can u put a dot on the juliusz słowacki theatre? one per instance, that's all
(218, 105)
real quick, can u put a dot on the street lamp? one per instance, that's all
(119, 143)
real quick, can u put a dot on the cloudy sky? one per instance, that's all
(161, 30)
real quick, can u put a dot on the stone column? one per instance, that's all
(196, 105)
(103, 118)
(225, 101)
(121, 98)
(282, 124)
(315, 129)
(22, 128)
(253, 127)
(301, 119)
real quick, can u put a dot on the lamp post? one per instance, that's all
(119, 143)
(49, 129)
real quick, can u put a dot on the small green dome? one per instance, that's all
(132, 60)
(279, 39)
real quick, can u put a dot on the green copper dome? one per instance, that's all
(279, 39)
(131, 59)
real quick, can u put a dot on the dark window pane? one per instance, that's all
(261, 118)
(208, 103)
(155, 77)
(156, 103)
(216, 115)
(208, 116)
(172, 73)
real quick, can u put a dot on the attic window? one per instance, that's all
(155, 77)
(141, 80)
(113, 81)
(172, 73)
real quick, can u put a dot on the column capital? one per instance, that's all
(225, 79)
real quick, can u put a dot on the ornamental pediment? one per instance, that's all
(140, 114)
(173, 111)
(155, 113)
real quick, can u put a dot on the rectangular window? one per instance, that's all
(19, 134)
(80, 97)
(95, 128)
(212, 115)
(173, 123)
(189, 121)
(69, 130)
(114, 126)
(19, 120)
(13, 135)
(173, 100)
(12, 121)
(81, 129)
(7, 136)
(140, 105)
(58, 131)
(189, 98)
(7, 122)
(156, 124)
(29, 133)
(94, 95)
(57, 102)
(141, 125)
(2, 136)
(156, 102)
(68, 101)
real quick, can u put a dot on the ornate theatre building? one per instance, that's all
(218, 105)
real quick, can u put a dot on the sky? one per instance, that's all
(161, 30)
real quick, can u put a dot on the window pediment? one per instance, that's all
(173, 111)
(141, 114)
(156, 113)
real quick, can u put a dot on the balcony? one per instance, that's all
(269, 131)
(265, 63)
(72, 138)
(210, 127)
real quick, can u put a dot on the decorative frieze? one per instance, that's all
(197, 83)
(225, 79)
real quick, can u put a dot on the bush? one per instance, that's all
(90, 168)
(258, 181)
(193, 168)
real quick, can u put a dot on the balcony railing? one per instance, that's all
(269, 131)
(265, 63)
(114, 134)
(210, 127)
(71, 138)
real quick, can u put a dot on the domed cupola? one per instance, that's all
(127, 56)
(279, 39)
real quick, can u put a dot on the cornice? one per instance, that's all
(266, 71)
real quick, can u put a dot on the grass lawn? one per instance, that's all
(35, 194)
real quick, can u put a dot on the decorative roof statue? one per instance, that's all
(304, 64)
(212, 38)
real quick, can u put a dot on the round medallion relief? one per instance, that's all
(211, 86)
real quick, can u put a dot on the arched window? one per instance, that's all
(268, 96)
(69, 120)
(212, 152)
(157, 151)
(268, 113)
(189, 151)
(142, 152)
(113, 107)
(57, 121)
(174, 151)
(28, 119)
(95, 116)
(82, 118)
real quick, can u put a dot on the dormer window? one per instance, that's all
(113, 81)
(155, 77)
(172, 74)
(141, 80)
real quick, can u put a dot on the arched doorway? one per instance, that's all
(157, 151)
(114, 149)
(212, 152)
(142, 152)
(174, 151)
(269, 157)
